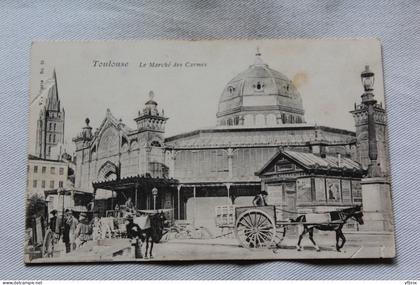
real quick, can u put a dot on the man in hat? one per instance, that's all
(70, 224)
(53, 221)
(260, 199)
(129, 206)
(84, 230)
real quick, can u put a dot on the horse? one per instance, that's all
(337, 218)
(151, 227)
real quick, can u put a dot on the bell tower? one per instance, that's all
(50, 125)
(150, 135)
(371, 133)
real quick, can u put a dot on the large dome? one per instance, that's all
(260, 96)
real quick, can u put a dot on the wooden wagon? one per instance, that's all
(256, 227)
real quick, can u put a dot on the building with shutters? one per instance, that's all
(46, 174)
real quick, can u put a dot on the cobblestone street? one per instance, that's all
(216, 249)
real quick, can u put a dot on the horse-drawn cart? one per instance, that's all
(258, 227)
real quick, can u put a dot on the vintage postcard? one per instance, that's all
(207, 150)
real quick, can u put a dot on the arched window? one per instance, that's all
(283, 118)
(230, 122)
(236, 121)
(259, 86)
(291, 119)
(49, 126)
(156, 143)
(248, 120)
(54, 126)
(124, 141)
(260, 120)
(49, 138)
(54, 138)
(231, 89)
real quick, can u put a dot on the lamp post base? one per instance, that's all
(377, 207)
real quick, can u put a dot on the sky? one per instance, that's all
(325, 72)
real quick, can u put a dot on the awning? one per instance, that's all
(133, 181)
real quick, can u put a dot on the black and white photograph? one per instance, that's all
(207, 150)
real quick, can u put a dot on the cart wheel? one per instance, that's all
(48, 244)
(255, 229)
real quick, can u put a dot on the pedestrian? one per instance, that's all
(129, 205)
(53, 221)
(96, 227)
(133, 230)
(117, 211)
(83, 231)
(260, 199)
(70, 224)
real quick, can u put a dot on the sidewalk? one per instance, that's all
(358, 245)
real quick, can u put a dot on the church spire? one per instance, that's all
(55, 77)
(53, 102)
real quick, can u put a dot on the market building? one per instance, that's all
(261, 141)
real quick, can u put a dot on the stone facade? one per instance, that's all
(114, 150)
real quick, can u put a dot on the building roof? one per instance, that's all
(53, 102)
(310, 161)
(238, 136)
(33, 157)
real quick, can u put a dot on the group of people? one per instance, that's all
(76, 232)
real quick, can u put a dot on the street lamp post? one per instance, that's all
(60, 191)
(154, 193)
(368, 79)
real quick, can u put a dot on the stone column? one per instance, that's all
(195, 206)
(230, 161)
(377, 206)
(228, 192)
(179, 201)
